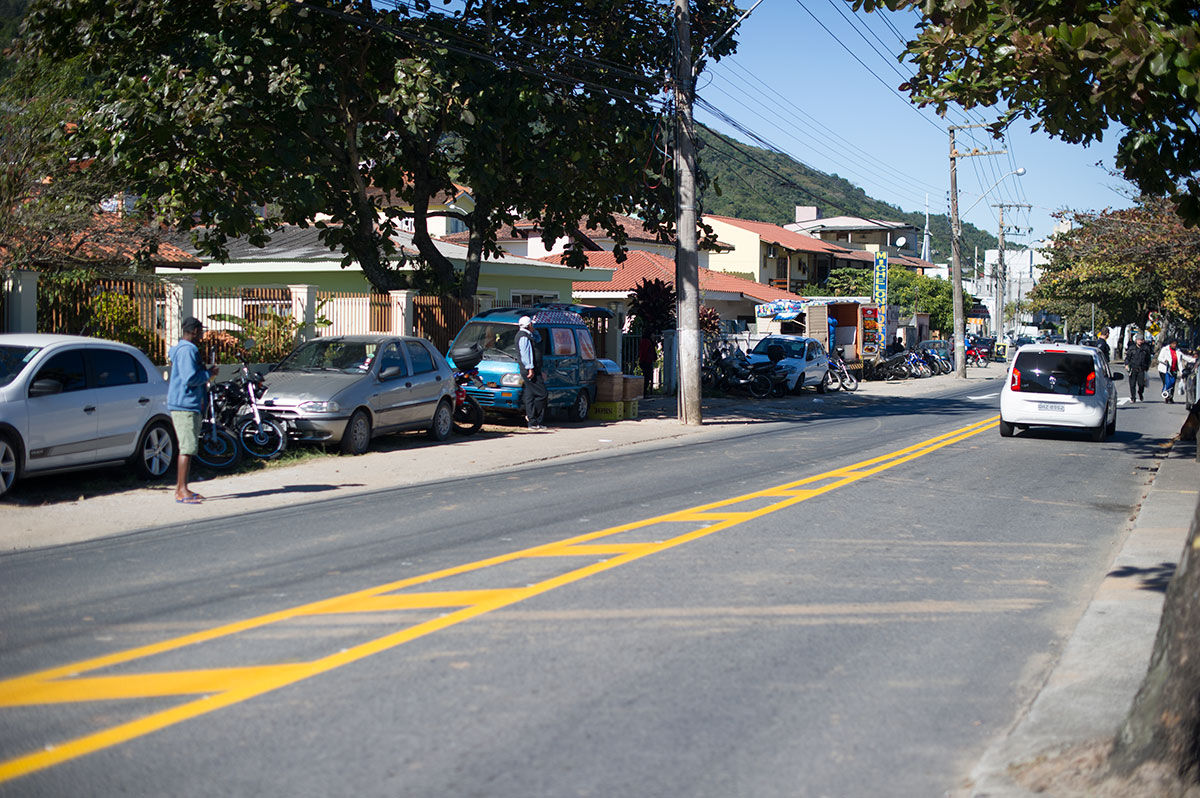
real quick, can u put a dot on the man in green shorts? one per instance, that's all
(185, 400)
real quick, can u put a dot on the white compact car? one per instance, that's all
(1059, 385)
(69, 402)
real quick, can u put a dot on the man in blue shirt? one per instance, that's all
(534, 393)
(185, 400)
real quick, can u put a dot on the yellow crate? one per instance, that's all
(631, 409)
(607, 411)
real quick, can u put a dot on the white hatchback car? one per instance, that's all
(70, 402)
(1059, 385)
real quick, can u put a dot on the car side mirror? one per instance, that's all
(1117, 376)
(45, 387)
(391, 372)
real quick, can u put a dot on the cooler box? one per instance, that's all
(633, 387)
(610, 388)
(607, 411)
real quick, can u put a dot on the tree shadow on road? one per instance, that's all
(1156, 578)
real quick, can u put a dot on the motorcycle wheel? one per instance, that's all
(218, 448)
(759, 386)
(468, 417)
(830, 382)
(779, 389)
(848, 380)
(265, 439)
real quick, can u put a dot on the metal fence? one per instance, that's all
(131, 310)
(268, 314)
(440, 318)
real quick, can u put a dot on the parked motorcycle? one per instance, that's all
(259, 431)
(777, 374)
(468, 413)
(839, 373)
(217, 447)
(729, 370)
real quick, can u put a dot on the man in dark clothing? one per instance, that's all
(1138, 357)
(534, 393)
(647, 354)
(1102, 345)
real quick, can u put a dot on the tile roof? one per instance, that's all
(774, 234)
(647, 265)
(111, 239)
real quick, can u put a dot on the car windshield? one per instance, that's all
(1054, 372)
(790, 348)
(499, 341)
(333, 354)
(13, 360)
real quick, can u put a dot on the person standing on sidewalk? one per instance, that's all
(1138, 356)
(647, 354)
(534, 393)
(185, 401)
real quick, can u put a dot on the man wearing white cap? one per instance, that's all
(534, 394)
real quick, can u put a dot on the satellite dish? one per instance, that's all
(901, 241)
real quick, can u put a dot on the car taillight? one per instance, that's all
(1089, 388)
(1015, 382)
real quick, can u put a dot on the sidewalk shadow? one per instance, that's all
(1156, 578)
(286, 489)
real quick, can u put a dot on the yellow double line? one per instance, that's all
(216, 688)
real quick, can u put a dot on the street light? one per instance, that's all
(1019, 172)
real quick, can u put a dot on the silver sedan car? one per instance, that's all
(69, 402)
(346, 390)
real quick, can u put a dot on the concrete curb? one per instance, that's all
(1090, 689)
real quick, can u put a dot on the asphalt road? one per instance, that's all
(865, 625)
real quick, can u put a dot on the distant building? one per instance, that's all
(854, 232)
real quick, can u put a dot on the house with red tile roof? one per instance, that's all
(767, 253)
(524, 239)
(733, 297)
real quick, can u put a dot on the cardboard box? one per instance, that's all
(607, 411)
(633, 387)
(610, 388)
(631, 409)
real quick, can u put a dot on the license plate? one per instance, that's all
(1054, 408)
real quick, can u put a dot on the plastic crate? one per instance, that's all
(631, 409)
(607, 411)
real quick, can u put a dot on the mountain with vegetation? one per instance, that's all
(753, 183)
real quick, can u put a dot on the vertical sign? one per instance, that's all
(880, 293)
(881, 275)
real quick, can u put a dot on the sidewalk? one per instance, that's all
(411, 459)
(1086, 696)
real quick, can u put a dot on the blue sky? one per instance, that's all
(794, 84)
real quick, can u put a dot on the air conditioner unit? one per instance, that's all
(770, 252)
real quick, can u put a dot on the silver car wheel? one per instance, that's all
(8, 465)
(443, 422)
(157, 451)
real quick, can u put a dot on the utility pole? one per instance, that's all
(687, 258)
(1001, 270)
(960, 316)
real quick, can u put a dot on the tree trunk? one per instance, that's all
(1163, 725)
(443, 269)
(470, 282)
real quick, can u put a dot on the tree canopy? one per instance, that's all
(1074, 68)
(1130, 263)
(353, 117)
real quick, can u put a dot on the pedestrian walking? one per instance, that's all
(185, 401)
(530, 350)
(1170, 360)
(1138, 356)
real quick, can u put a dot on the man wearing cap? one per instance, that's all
(1138, 356)
(185, 400)
(534, 393)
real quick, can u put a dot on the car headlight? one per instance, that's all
(512, 380)
(319, 407)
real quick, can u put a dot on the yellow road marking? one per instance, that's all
(222, 687)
